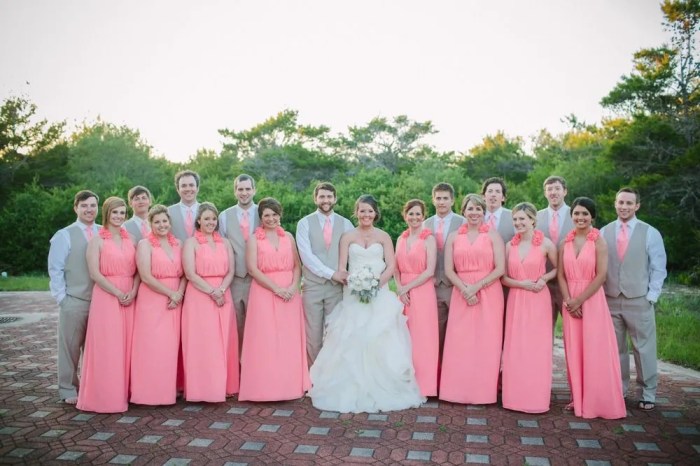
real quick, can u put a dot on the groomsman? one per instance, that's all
(71, 287)
(636, 273)
(494, 192)
(237, 223)
(442, 224)
(184, 213)
(318, 240)
(140, 200)
(555, 222)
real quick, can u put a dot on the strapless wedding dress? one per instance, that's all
(365, 364)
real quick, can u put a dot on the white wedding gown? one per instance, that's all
(365, 363)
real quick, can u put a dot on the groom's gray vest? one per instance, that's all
(329, 256)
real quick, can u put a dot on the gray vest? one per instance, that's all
(455, 223)
(631, 277)
(505, 225)
(78, 282)
(235, 237)
(134, 231)
(329, 256)
(177, 222)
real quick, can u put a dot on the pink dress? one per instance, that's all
(472, 356)
(273, 358)
(592, 360)
(527, 351)
(104, 386)
(422, 313)
(156, 341)
(207, 333)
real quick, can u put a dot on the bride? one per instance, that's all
(365, 363)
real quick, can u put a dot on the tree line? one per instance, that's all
(651, 143)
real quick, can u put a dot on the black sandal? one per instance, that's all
(646, 405)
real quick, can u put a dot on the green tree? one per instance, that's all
(498, 155)
(381, 143)
(23, 140)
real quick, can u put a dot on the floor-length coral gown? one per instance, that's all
(527, 350)
(472, 355)
(273, 357)
(421, 313)
(592, 362)
(156, 341)
(206, 329)
(104, 385)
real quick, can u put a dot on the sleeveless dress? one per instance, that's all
(104, 386)
(472, 356)
(527, 351)
(273, 358)
(365, 362)
(422, 312)
(592, 361)
(207, 333)
(156, 341)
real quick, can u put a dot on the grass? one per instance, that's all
(677, 318)
(25, 283)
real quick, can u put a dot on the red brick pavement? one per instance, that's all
(35, 428)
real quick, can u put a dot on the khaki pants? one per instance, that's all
(319, 300)
(635, 316)
(444, 295)
(240, 287)
(72, 324)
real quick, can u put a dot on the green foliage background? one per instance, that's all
(652, 143)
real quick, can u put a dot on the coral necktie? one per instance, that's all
(554, 228)
(622, 241)
(327, 232)
(189, 223)
(88, 233)
(439, 236)
(245, 225)
(492, 221)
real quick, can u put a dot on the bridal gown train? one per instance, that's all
(365, 364)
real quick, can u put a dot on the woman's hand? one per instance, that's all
(573, 306)
(127, 298)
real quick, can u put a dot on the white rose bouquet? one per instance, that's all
(364, 284)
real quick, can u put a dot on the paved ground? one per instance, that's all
(35, 428)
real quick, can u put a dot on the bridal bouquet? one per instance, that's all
(364, 284)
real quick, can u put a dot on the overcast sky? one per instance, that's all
(180, 70)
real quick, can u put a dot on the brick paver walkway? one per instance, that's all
(35, 428)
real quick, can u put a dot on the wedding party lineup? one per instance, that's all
(219, 304)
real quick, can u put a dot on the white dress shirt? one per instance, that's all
(308, 258)
(58, 253)
(496, 215)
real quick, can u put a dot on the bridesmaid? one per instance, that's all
(592, 361)
(209, 338)
(104, 386)
(416, 253)
(273, 363)
(156, 341)
(527, 351)
(474, 262)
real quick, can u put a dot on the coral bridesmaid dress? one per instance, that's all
(592, 360)
(527, 351)
(472, 355)
(156, 341)
(273, 358)
(206, 329)
(421, 313)
(104, 386)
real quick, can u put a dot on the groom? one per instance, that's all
(318, 239)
